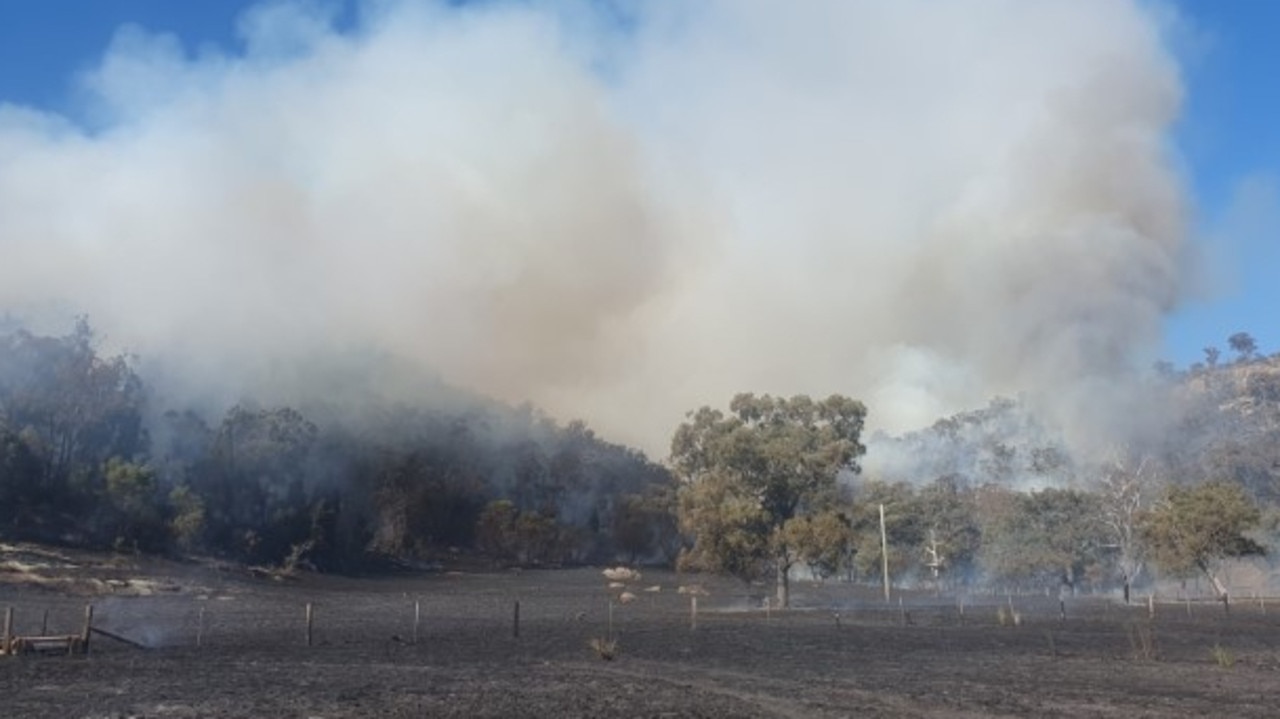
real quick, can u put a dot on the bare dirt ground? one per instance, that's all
(923, 660)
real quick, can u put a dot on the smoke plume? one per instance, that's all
(619, 211)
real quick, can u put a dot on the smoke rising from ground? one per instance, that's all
(621, 213)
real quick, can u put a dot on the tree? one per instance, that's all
(20, 471)
(904, 528)
(253, 486)
(643, 525)
(1124, 490)
(187, 524)
(1211, 356)
(950, 514)
(496, 529)
(823, 541)
(748, 473)
(730, 527)
(1052, 531)
(1243, 345)
(1195, 528)
(137, 508)
(74, 410)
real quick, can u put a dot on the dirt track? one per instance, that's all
(254, 660)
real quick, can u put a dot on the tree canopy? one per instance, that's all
(749, 472)
(1193, 528)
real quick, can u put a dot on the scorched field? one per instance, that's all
(220, 642)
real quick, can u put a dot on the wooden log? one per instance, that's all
(113, 635)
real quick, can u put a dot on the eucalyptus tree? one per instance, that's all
(746, 474)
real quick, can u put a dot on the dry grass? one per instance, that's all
(606, 649)
(1007, 617)
(1142, 641)
(1222, 656)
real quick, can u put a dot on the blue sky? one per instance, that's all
(1230, 142)
(1227, 138)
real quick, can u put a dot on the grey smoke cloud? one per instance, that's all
(921, 204)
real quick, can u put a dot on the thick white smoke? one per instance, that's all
(624, 211)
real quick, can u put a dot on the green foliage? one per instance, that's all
(20, 470)
(644, 525)
(950, 515)
(824, 541)
(905, 528)
(133, 493)
(732, 530)
(1052, 532)
(525, 537)
(748, 473)
(1192, 528)
(188, 522)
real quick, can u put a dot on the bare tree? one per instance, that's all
(1125, 487)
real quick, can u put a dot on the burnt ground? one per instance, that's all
(926, 659)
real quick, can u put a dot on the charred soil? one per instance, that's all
(841, 653)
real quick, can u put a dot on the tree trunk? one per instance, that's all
(784, 583)
(1218, 587)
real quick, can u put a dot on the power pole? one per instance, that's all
(884, 554)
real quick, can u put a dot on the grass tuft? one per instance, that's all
(606, 649)
(1142, 641)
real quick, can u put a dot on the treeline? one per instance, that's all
(774, 483)
(86, 459)
(1124, 529)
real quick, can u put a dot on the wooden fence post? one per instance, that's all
(88, 627)
(417, 619)
(515, 620)
(7, 638)
(693, 612)
(310, 621)
(200, 628)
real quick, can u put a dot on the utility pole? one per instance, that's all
(884, 554)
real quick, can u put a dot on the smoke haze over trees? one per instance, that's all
(269, 485)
